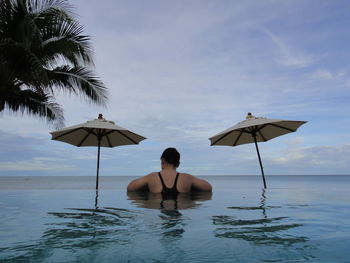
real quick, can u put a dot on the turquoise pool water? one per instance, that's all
(60, 219)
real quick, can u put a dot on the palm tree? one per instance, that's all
(43, 50)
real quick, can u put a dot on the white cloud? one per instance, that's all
(297, 140)
(37, 164)
(287, 55)
(324, 74)
(317, 159)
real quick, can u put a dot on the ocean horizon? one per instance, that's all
(121, 181)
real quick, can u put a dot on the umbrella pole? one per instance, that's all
(98, 162)
(96, 199)
(261, 167)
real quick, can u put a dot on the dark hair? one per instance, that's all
(171, 156)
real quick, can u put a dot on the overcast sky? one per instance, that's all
(179, 72)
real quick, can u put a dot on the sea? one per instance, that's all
(64, 219)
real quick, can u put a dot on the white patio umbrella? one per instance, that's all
(255, 129)
(98, 132)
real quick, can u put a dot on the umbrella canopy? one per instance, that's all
(253, 130)
(98, 132)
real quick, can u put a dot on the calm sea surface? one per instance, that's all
(62, 219)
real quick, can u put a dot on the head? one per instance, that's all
(170, 156)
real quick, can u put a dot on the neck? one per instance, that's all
(168, 167)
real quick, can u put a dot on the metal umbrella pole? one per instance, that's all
(96, 199)
(98, 161)
(261, 166)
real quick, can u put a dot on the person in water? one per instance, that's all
(169, 180)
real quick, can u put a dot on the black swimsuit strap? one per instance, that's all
(161, 179)
(175, 183)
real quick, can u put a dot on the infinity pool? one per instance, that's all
(297, 219)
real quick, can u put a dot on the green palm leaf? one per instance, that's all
(79, 80)
(66, 39)
(43, 49)
(33, 103)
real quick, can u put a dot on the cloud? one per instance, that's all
(317, 159)
(323, 74)
(286, 55)
(36, 164)
(297, 140)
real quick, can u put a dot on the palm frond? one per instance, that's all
(71, 34)
(68, 48)
(33, 103)
(7, 9)
(43, 48)
(61, 7)
(22, 61)
(79, 80)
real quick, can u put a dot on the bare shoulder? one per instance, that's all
(139, 183)
(186, 176)
(200, 184)
(152, 176)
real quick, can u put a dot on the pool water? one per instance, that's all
(296, 219)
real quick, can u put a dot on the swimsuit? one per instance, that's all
(169, 191)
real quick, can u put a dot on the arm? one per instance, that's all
(138, 184)
(201, 185)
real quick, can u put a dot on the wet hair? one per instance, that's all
(171, 156)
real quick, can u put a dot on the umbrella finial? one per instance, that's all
(100, 116)
(249, 116)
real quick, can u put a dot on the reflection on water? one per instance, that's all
(78, 229)
(96, 199)
(266, 231)
(261, 230)
(158, 201)
(99, 228)
(156, 229)
(172, 223)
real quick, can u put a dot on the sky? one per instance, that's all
(179, 72)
